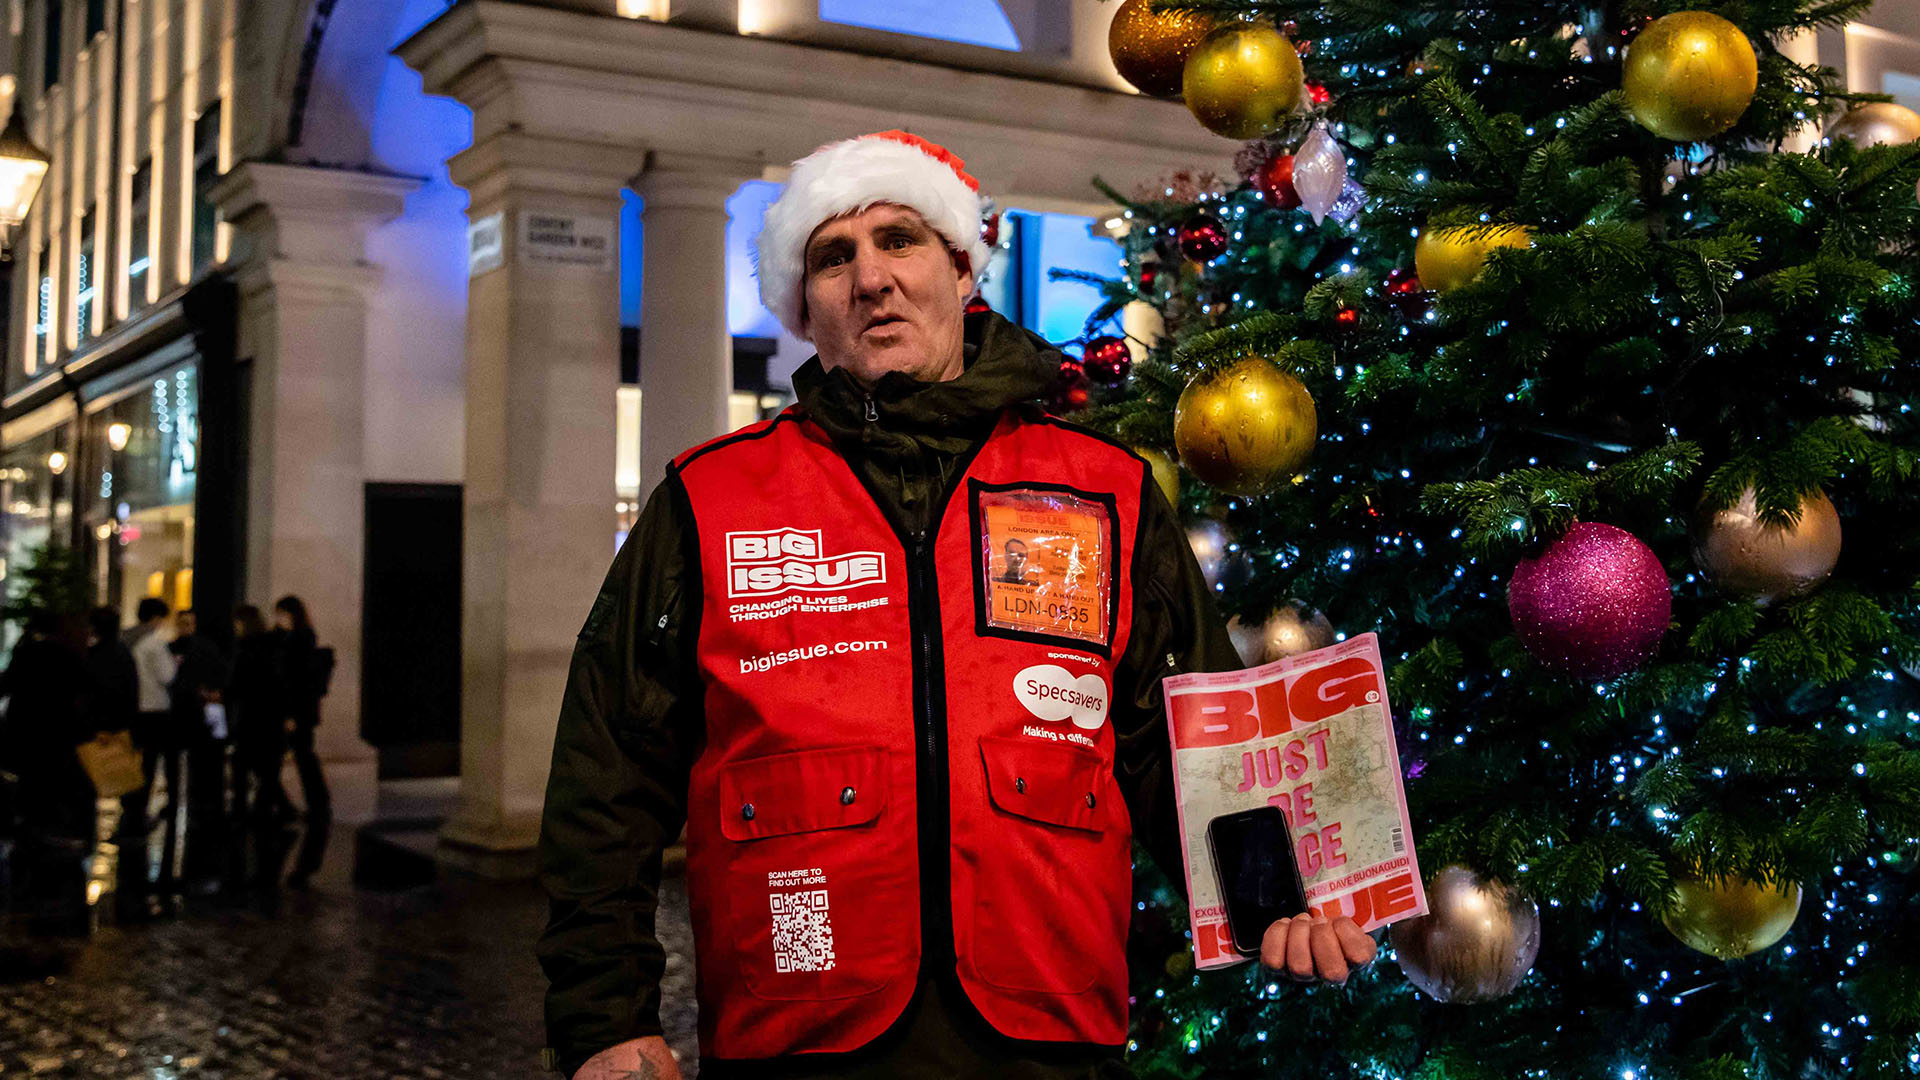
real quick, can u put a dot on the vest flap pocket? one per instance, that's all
(1054, 782)
(802, 792)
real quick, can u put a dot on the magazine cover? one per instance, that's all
(1312, 735)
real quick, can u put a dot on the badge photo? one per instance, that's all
(1044, 566)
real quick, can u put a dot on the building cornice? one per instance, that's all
(664, 88)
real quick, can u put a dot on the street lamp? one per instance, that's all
(22, 166)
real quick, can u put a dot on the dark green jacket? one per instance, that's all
(631, 723)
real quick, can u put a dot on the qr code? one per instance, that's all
(802, 931)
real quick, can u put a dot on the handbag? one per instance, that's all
(112, 764)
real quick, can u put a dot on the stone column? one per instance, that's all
(686, 349)
(543, 369)
(300, 245)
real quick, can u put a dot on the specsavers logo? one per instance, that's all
(1051, 693)
(778, 561)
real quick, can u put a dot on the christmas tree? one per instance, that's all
(1525, 341)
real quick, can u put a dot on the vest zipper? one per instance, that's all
(935, 825)
(873, 414)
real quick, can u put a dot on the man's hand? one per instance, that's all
(1309, 947)
(639, 1059)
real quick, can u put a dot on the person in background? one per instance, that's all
(256, 715)
(308, 668)
(113, 704)
(200, 681)
(46, 720)
(150, 641)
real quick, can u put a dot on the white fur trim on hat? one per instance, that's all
(851, 176)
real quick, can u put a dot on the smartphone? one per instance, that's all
(1259, 881)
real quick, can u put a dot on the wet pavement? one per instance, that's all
(411, 971)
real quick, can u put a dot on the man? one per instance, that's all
(902, 860)
(199, 681)
(153, 732)
(1016, 571)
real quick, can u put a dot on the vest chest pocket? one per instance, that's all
(818, 905)
(1032, 926)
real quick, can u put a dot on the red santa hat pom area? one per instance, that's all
(851, 176)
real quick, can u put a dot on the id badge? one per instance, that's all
(1045, 556)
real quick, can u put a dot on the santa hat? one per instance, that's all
(851, 176)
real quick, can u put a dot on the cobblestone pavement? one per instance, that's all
(346, 982)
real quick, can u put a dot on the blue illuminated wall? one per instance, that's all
(1021, 284)
(970, 22)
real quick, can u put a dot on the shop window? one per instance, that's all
(206, 170)
(43, 323)
(36, 485)
(139, 236)
(969, 22)
(51, 52)
(143, 454)
(84, 281)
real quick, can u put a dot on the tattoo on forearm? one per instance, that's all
(645, 1071)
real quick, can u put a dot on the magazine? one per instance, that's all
(1312, 735)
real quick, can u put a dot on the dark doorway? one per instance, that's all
(410, 638)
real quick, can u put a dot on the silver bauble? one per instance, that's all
(1477, 941)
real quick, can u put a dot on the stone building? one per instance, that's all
(401, 306)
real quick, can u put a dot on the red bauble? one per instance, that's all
(1318, 93)
(1348, 317)
(1070, 393)
(1594, 604)
(978, 305)
(1275, 182)
(1404, 291)
(1149, 274)
(990, 230)
(1203, 239)
(1107, 360)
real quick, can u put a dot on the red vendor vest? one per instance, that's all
(872, 696)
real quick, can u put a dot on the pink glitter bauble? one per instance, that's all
(1594, 604)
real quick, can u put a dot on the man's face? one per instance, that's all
(1016, 558)
(884, 293)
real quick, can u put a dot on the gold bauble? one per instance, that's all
(1690, 76)
(1478, 939)
(1247, 428)
(1446, 258)
(1244, 81)
(1292, 629)
(1769, 562)
(1731, 917)
(1881, 123)
(1165, 473)
(1150, 48)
